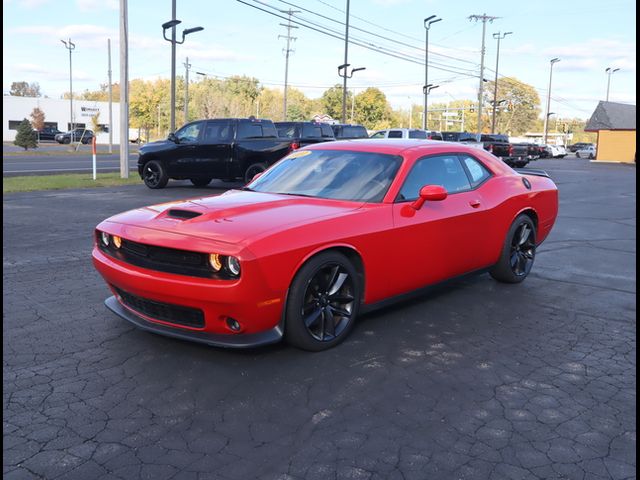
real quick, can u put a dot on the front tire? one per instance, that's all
(253, 170)
(577, 155)
(200, 182)
(155, 175)
(66, 141)
(518, 252)
(323, 302)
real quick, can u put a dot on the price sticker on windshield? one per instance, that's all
(300, 153)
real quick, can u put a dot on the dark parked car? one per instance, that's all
(579, 146)
(305, 133)
(48, 133)
(77, 135)
(459, 137)
(200, 151)
(514, 155)
(349, 132)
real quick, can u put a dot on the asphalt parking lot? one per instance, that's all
(478, 380)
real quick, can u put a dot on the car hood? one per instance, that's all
(155, 145)
(235, 216)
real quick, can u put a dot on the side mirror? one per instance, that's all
(172, 138)
(429, 193)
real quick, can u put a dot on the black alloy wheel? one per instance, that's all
(154, 175)
(518, 252)
(523, 250)
(323, 302)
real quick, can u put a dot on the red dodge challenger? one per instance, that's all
(326, 233)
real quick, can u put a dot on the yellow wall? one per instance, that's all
(616, 146)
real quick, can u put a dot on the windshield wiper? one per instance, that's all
(296, 194)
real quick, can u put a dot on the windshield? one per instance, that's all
(333, 174)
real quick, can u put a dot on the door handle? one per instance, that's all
(474, 203)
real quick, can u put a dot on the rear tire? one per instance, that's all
(323, 302)
(577, 155)
(66, 141)
(200, 182)
(253, 170)
(518, 252)
(155, 175)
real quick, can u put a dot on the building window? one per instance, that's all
(51, 125)
(76, 125)
(14, 124)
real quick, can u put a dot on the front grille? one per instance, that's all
(170, 260)
(189, 317)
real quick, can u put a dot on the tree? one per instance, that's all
(372, 109)
(24, 89)
(518, 106)
(37, 119)
(331, 101)
(95, 123)
(26, 136)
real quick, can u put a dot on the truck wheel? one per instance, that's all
(200, 182)
(253, 170)
(66, 140)
(154, 175)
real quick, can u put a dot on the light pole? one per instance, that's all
(410, 111)
(187, 67)
(344, 75)
(546, 115)
(425, 89)
(499, 36)
(610, 72)
(69, 45)
(171, 24)
(345, 65)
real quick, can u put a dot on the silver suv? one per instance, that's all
(408, 133)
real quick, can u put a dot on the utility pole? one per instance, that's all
(172, 100)
(187, 67)
(484, 18)
(499, 36)
(69, 45)
(124, 90)
(610, 72)
(546, 113)
(346, 64)
(110, 101)
(287, 51)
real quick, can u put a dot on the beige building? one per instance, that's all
(615, 124)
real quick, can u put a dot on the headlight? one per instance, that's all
(233, 265)
(214, 261)
(104, 238)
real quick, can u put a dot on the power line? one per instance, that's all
(323, 29)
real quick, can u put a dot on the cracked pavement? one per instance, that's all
(477, 380)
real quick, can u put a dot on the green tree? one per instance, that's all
(37, 119)
(331, 101)
(518, 106)
(372, 109)
(24, 89)
(26, 137)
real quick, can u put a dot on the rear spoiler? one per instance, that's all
(532, 171)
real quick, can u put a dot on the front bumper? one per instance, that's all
(249, 301)
(267, 337)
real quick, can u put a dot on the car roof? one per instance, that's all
(392, 146)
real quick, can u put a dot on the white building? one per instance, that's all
(56, 114)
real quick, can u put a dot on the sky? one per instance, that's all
(238, 39)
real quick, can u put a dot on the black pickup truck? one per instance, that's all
(514, 155)
(305, 133)
(228, 148)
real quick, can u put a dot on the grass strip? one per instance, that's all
(32, 183)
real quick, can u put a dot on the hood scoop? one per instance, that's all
(182, 214)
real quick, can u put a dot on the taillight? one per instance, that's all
(510, 150)
(490, 149)
(295, 146)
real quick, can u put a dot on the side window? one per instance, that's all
(216, 132)
(249, 130)
(311, 131)
(395, 134)
(444, 170)
(327, 131)
(477, 172)
(189, 133)
(378, 135)
(417, 134)
(287, 131)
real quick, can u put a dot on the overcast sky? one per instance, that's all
(588, 36)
